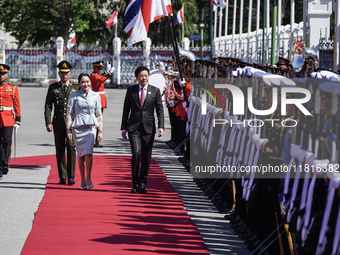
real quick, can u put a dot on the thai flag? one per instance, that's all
(72, 41)
(54, 41)
(221, 3)
(139, 14)
(179, 17)
(113, 19)
(72, 38)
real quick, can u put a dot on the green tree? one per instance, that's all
(37, 21)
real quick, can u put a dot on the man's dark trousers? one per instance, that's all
(5, 145)
(65, 168)
(141, 148)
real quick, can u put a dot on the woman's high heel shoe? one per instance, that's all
(83, 187)
(89, 187)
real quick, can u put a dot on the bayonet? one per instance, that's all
(334, 108)
(319, 150)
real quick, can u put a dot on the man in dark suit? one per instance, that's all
(57, 97)
(138, 120)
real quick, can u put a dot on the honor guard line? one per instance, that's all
(238, 109)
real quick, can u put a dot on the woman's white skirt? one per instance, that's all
(84, 139)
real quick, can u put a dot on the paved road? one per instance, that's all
(23, 188)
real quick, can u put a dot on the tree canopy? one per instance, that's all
(37, 22)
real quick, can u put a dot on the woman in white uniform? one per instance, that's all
(84, 117)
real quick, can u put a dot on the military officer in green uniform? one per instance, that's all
(57, 97)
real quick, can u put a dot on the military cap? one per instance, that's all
(242, 64)
(234, 62)
(64, 66)
(223, 61)
(234, 59)
(209, 63)
(294, 74)
(222, 71)
(327, 89)
(98, 64)
(4, 68)
(282, 63)
(270, 69)
(259, 66)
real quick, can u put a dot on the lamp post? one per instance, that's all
(201, 39)
(263, 31)
(273, 56)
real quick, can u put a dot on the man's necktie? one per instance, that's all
(142, 97)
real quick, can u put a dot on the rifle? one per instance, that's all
(306, 145)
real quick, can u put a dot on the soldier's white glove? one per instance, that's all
(171, 103)
(310, 158)
(251, 132)
(258, 141)
(320, 166)
(112, 70)
(108, 66)
(182, 82)
(16, 127)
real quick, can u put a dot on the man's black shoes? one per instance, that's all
(134, 188)
(142, 190)
(4, 170)
(62, 181)
(71, 181)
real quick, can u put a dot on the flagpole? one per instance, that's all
(173, 38)
(220, 23)
(215, 21)
(183, 24)
(116, 25)
(175, 46)
(174, 43)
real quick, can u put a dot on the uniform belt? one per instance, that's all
(101, 92)
(4, 108)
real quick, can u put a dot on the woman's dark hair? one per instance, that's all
(140, 69)
(82, 75)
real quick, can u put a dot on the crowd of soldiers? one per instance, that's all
(273, 170)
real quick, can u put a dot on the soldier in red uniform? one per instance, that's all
(9, 117)
(98, 77)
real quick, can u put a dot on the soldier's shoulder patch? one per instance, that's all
(73, 90)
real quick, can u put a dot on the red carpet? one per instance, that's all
(108, 219)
